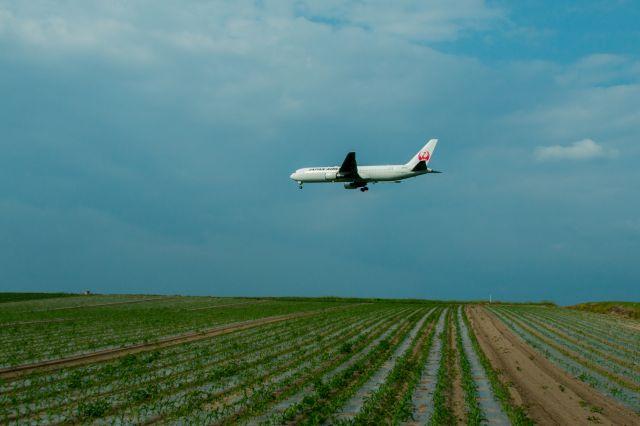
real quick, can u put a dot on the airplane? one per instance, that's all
(355, 176)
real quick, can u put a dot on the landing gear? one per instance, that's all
(364, 189)
(300, 185)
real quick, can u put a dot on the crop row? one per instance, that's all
(376, 363)
(598, 334)
(265, 394)
(242, 390)
(51, 304)
(387, 384)
(151, 384)
(366, 405)
(285, 410)
(180, 356)
(423, 389)
(329, 397)
(172, 359)
(76, 332)
(606, 356)
(618, 370)
(587, 366)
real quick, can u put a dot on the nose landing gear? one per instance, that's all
(300, 185)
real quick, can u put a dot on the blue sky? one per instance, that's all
(146, 147)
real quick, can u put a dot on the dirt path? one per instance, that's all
(551, 395)
(107, 354)
(489, 404)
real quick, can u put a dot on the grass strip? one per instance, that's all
(626, 309)
(21, 297)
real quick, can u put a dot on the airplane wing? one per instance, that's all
(349, 168)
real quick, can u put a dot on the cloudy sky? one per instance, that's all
(146, 147)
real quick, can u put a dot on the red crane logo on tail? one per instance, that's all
(424, 156)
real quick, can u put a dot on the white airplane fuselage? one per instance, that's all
(355, 176)
(391, 173)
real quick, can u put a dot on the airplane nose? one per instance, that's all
(292, 176)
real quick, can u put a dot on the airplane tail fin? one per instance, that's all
(421, 159)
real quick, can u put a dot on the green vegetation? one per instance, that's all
(330, 398)
(391, 403)
(37, 330)
(442, 413)
(298, 360)
(623, 309)
(20, 297)
(474, 413)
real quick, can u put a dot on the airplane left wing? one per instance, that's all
(349, 168)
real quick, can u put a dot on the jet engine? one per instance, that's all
(354, 185)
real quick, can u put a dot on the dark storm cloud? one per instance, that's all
(147, 148)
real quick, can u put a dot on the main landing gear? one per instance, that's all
(364, 189)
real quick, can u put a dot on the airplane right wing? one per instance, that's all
(349, 168)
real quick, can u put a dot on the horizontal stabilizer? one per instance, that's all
(421, 166)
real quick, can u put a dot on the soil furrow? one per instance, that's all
(575, 356)
(353, 406)
(490, 406)
(551, 395)
(423, 395)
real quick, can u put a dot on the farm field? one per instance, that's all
(135, 359)
(622, 309)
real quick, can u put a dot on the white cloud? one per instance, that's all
(560, 113)
(119, 30)
(50, 33)
(430, 20)
(600, 69)
(585, 149)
